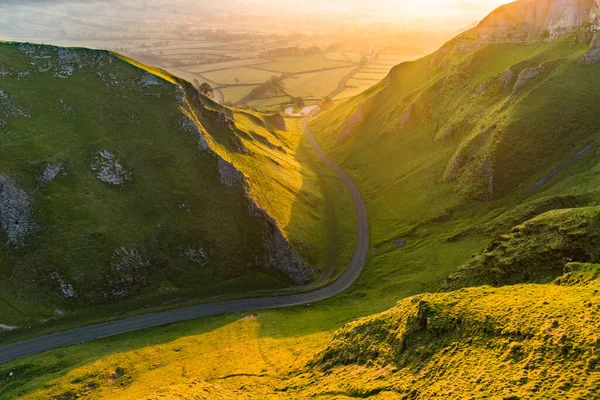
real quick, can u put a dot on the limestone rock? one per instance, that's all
(15, 211)
(108, 169)
(51, 172)
(352, 123)
(593, 54)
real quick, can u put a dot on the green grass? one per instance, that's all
(316, 85)
(175, 200)
(427, 218)
(244, 75)
(227, 65)
(236, 93)
(301, 63)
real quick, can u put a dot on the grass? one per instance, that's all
(227, 65)
(315, 85)
(427, 217)
(301, 63)
(236, 93)
(244, 75)
(161, 212)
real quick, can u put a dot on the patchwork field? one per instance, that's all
(315, 85)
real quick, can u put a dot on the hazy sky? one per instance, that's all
(429, 15)
(447, 12)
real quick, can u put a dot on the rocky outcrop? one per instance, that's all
(352, 123)
(507, 78)
(15, 211)
(131, 271)
(593, 54)
(51, 172)
(549, 17)
(278, 250)
(528, 74)
(525, 76)
(222, 121)
(9, 109)
(406, 115)
(66, 289)
(108, 169)
(230, 175)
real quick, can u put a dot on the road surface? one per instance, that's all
(93, 332)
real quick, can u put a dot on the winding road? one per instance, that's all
(93, 332)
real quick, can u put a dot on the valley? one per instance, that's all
(475, 276)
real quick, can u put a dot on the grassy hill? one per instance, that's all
(479, 166)
(473, 343)
(120, 185)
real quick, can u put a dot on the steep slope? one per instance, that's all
(500, 124)
(117, 182)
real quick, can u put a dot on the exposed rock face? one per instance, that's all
(525, 76)
(352, 123)
(446, 134)
(9, 109)
(406, 115)
(488, 171)
(61, 62)
(279, 252)
(108, 169)
(593, 54)
(131, 270)
(556, 17)
(150, 80)
(222, 121)
(197, 255)
(507, 78)
(15, 211)
(230, 175)
(529, 74)
(51, 172)
(67, 290)
(187, 124)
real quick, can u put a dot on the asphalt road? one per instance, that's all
(92, 332)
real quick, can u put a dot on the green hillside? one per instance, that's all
(473, 343)
(120, 185)
(480, 171)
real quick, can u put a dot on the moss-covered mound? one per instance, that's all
(535, 251)
(519, 342)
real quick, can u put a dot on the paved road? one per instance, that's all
(92, 332)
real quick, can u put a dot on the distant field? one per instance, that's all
(314, 76)
(236, 93)
(354, 87)
(227, 64)
(377, 76)
(353, 56)
(318, 84)
(339, 56)
(243, 74)
(187, 75)
(302, 63)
